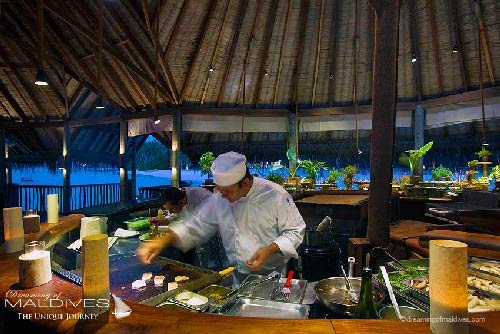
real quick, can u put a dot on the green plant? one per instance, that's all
(495, 173)
(276, 178)
(472, 164)
(413, 157)
(292, 157)
(348, 175)
(484, 153)
(333, 175)
(441, 172)
(205, 163)
(312, 167)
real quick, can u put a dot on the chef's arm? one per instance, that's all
(147, 251)
(291, 227)
(260, 256)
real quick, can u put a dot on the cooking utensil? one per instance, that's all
(285, 292)
(324, 224)
(391, 293)
(333, 294)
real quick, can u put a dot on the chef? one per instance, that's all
(260, 226)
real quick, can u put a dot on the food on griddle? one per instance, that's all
(138, 284)
(483, 284)
(172, 285)
(181, 279)
(491, 269)
(147, 276)
(479, 302)
(158, 280)
(421, 284)
(191, 298)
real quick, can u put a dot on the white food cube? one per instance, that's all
(147, 276)
(159, 280)
(138, 284)
(172, 285)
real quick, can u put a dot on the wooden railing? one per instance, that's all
(82, 196)
(151, 192)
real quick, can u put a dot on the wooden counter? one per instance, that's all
(25, 308)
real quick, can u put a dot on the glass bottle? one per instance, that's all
(366, 307)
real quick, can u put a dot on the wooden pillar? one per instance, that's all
(292, 136)
(383, 119)
(133, 169)
(122, 164)
(419, 125)
(66, 169)
(4, 147)
(175, 162)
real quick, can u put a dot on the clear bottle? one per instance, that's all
(366, 307)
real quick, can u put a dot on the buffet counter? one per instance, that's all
(57, 307)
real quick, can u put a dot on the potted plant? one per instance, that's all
(333, 175)
(483, 154)
(412, 158)
(348, 175)
(312, 167)
(276, 178)
(495, 174)
(292, 172)
(205, 163)
(441, 173)
(469, 175)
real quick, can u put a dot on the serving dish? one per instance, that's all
(333, 293)
(253, 307)
(217, 297)
(189, 300)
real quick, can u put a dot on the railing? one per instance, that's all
(82, 196)
(151, 192)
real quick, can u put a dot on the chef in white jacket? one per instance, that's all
(260, 226)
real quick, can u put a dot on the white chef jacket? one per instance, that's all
(265, 215)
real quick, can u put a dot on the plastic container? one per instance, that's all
(136, 224)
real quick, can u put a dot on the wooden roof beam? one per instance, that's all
(13, 103)
(435, 47)
(484, 41)
(206, 22)
(145, 10)
(230, 56)
(173, 36)
(414, 42)
(318, 51)
(107, 48)
(167, 78)
(249, 45)
(283, 41)
(458, 43)
(333, 58)
(214, 53)
(265, 55)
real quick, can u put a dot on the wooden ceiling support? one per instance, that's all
(435, 47)
(458, 43)
(414, 42)
(173, 36)
(283, 42)
(145, 10)
(214, 53)
(234, 42)
(484, 41)
(13, 103)
(333, 39)
(206, 23)
(318, 51)
(270, 25)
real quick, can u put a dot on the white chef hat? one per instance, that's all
(229, 168)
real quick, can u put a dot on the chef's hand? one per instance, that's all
(260, 256)
(147, 251)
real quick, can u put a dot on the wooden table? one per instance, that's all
(27, 310)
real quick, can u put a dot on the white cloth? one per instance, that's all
(229, 168)
(266, 215)
(195, 197)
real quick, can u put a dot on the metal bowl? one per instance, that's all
(332, 293)
(407, 312)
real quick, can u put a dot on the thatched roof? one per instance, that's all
(269, 57)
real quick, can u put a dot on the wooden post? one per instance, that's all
(123, 167)
(383, 119)
(67, 169)
(3, 169)
(292, 136)
(175, 162)
(133, 167)
(419, 126)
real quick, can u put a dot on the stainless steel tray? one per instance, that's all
(251, 307)
(268, 290)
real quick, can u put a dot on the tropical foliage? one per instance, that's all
(441, 172)
(276, 178)
(483, 153)
(411, 158)
(154, 155)
(205, 163)
(333, 175)
(312, 167)
(292, 157)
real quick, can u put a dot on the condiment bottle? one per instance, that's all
(366, 307)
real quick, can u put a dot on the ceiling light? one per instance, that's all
(99, 103)
(41, 78)
(211, 69)
(330, 76)
(413, 57)
(266, 74)
(359, 151)
(156, 119)
(455, 49)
